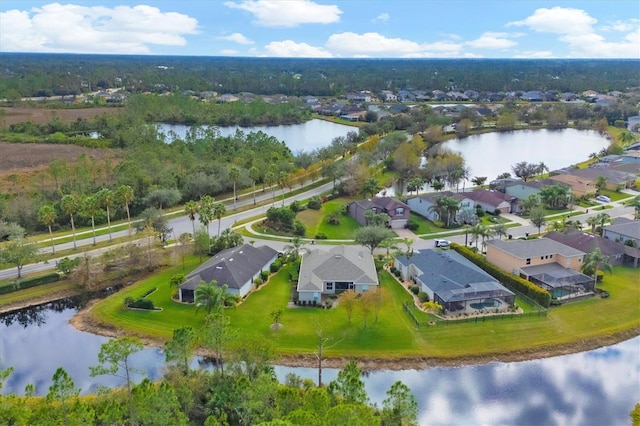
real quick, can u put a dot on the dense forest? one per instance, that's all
(27, 75)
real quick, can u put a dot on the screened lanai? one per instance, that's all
(472, 297)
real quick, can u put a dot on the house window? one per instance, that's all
(551, 256)
(329, 286)
(542, 257)
(399, 211)
(529, 261)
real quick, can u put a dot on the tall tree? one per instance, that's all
(106, 197)
(205, 211)
(537, 217)
(370, 187)
(182, 347)
(324, 342)
(90, 208)
(595, 261)
(62, 390)
(234, 175)
(212, 297)
(219, 210)
(191, 208)
(635, 203)
(400, 406)
(70, 205)
(349, 387)
(254, 175)
(115, 359)
(124, 195)
(348, 301)
(372, 236)
(47, 215)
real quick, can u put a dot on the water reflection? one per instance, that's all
(590, 388)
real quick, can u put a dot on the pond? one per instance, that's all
(304, 137)
(596, 387)
(491, 154)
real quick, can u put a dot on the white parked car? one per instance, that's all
(443, 243)
(603, 198)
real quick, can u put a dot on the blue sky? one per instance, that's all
(332, 29)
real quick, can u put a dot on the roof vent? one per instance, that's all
(337, 256)
(218, 267)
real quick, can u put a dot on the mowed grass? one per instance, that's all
(394, 334)
(316, 221)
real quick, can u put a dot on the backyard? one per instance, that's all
(590, 322)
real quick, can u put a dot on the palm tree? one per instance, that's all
(234, 175)
(626, 138)
(106, 199)
(499, 230)
(124, 194)
(595, 261)
(601, 219)
(70, 204)
(254, 175)
(451, 206)
(270, 179)
(212, 297)
(601, 183)
(635, 203)
(47, 215)
(205, 211)
(478, 231)
(282, 181)
(370, 187)
(438, 185)
(293, 249)
(91, 207)
(218, 211)
(191, 208)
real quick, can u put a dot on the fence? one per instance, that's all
(474, 319)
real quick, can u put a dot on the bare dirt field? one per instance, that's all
(9, 115)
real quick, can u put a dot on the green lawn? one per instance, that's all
(394, 335)
(316, 221)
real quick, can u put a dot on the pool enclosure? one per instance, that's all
(475, 297)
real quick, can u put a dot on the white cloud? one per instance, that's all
(575, 28)
(377, 45)
(288, 13)
(622, 26)
(96, 29)
(532, 54)
(383, 17)
(229, 52)
(289, 48)
(491, 40)
(236, 38)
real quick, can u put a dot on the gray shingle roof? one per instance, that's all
(432, 197)
(627, 227)
(234, 266)
(524, 249)
(341, 263)
(452, 277)
(587, 242)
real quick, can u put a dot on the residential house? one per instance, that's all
(397, 211)
(614, 179)
(549, 264)
(325, 271)
(631, 156)
(358, 97)
(502, 183)
(424, 204)
(454, 282)
(489, 200)
(236, 267)
(617, 252)
(633, 123)
(532, 96)
(580, 187)
(523, 190)
(226, 98)
(389, 96)
(623, 229)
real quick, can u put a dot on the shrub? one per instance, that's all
(140, 303)
(148, 292)
(264, 275)
(36, 281)
(415, 289)
(397, 273)
(321, 236)
(423, 297)
(275, 266)
(393, 270)
(512, 282)
(296, 206)
(258, 282)
(413, 225)
(299, 228)
(315, 203)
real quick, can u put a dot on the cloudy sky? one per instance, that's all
(331, 29)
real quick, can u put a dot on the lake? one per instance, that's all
(490, 154)
(304, 137)
(590, 388)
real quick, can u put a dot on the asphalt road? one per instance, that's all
(182, 224)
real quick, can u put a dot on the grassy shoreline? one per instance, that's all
(393, 341)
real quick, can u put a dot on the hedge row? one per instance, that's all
(512, 282)
(30, 282)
